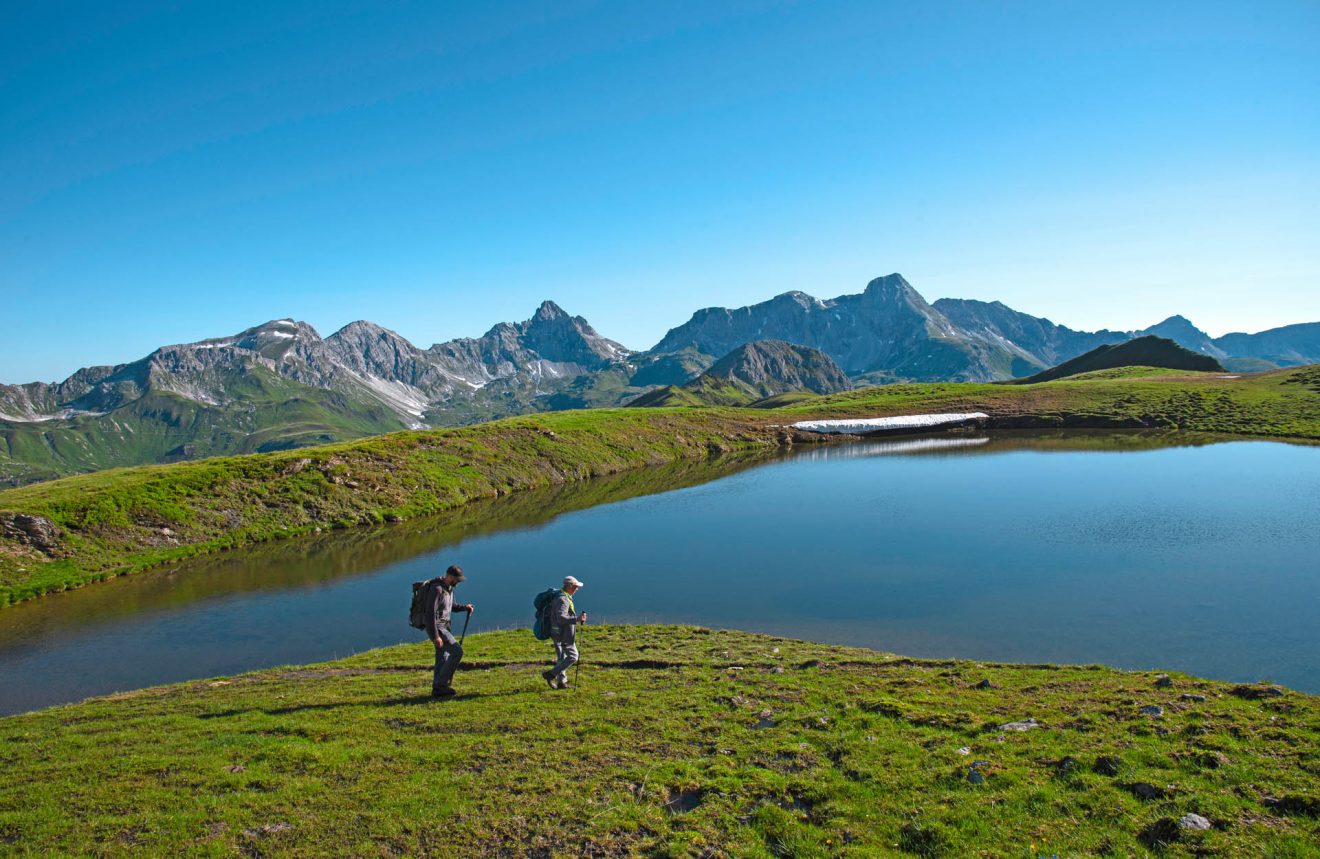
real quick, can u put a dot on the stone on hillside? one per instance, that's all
(1164, 681)
(1146, 790)
(985, 684)
(1213, 760)
(1023, 725)
(965, 750)
(1066, 766)
(975, 777)
(36, 531)
(1152, 710)
(1194, 821)
(1197, 699)
(1256, 693)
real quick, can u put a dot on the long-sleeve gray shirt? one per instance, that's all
(563, 619)
(439, 608)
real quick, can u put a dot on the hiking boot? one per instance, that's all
(443, 692)
(549, 677)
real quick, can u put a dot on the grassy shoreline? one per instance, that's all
(680, 741)
(120, 521)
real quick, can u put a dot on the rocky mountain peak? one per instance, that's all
(560, 338)
(276, 336)
(548, 311)
(775, 366)
(363, 328)
(798, 297)
(1181, 330)
(892, 284)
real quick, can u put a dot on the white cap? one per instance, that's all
(569, 580)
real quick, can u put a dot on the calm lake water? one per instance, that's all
(1134, 550)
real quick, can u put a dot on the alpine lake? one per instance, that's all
(1133, 549)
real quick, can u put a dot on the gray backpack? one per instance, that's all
(421, 602)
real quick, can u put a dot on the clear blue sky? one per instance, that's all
(180, 170)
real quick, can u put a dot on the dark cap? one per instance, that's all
(456, 571)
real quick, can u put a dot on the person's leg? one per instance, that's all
(447, 659)
(568, 657)
(551, 675)
(436, 684)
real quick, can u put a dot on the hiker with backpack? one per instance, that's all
(557, 618)
(435, 600)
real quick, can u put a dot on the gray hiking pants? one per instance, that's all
(566, 657)
(446, 660)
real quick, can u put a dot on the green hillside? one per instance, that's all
(270, 413)
(1149, 351)
(677, 741)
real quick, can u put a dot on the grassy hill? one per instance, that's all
(1149, 351)
(114, 522)
(270, 413)
(678, 741)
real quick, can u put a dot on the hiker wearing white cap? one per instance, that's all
(563, 632)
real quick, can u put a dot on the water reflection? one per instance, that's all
(1168, 550)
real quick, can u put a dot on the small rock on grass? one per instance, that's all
(1164, 681)
(1023, 725)
(985, 684)
(1151, 710)
(1197, 699)
(1066, 766)
(974, 776)
(1148, 791)
(1194, 821)
(1256, 693)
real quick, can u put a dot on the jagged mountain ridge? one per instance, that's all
(281, 385)
(362, 360)
(754, 371)
(889, 333)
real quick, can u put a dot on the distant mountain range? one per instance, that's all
(281, 385)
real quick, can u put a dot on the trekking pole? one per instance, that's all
(466, 617)
(577, 666)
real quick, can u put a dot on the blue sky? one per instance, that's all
(170, 172)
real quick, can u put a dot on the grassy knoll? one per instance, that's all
(1283, 403)
(679, 742)
(119, 521)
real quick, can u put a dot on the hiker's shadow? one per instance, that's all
(406, 701)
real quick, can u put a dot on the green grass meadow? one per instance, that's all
(676, 741)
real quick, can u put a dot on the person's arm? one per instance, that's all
(561, 611)
(433, 606)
